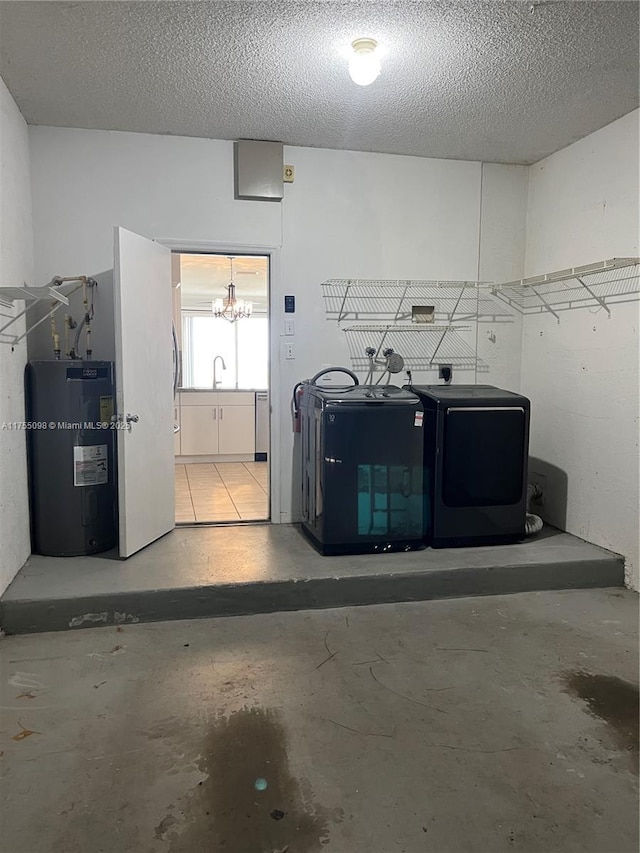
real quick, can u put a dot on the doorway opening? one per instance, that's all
(221, 401)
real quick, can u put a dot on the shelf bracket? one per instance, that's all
(598, 299)
(14, 319)
(32, 296)
(435, 352)
(344, 300)
(402, 298)
(545, 304)
(442, 337)
(16, 340)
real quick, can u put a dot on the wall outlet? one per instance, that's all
(289, 351)
(445, 371)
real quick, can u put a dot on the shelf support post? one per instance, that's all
(404, 293)
(545, 304)
(17, 317)
(442, 337)
(344, 299)
(598, 299)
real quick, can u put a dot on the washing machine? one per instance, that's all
(362, 488)
(476, 446)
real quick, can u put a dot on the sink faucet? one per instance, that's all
(224, 367)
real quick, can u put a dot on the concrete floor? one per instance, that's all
(475, 725)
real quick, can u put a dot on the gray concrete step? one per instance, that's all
(240, 570)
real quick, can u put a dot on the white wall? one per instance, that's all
(582, 373)
(502, 246)
(366, 215)
(85, 182)
(16, 268)
(354, 215)
(347, 214)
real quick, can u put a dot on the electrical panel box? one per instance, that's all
(258, 170)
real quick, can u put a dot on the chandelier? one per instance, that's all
(231, 308)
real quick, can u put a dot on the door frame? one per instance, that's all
(187, 247)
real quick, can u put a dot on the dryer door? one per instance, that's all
(483, 456)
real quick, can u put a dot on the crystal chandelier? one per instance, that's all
(231, 308)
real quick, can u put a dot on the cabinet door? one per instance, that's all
(237, 427)
(199, 430)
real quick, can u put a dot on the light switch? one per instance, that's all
(289, 327)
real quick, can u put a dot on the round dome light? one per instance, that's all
(364, 64)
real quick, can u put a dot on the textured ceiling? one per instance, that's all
(489, 81)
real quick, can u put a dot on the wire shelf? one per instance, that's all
(418, 350)
(57, 292)
(362, 299)
(391, 303)
(406, 327)
(594, 285)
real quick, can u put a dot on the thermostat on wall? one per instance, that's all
(289, 305)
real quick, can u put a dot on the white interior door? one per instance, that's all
(144, 390)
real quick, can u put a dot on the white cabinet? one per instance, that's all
(199, 430)
(217, 423)
(236, 429)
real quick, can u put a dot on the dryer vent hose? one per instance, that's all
(533, 523)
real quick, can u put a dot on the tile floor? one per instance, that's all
(225, 491)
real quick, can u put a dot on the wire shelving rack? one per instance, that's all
(378, 313)
(598, 285)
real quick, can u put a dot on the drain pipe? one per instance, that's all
(533, 523)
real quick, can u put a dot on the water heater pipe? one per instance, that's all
(86, 321)
(55, 337)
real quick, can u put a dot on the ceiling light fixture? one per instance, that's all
(364, 64)
(231, 308)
